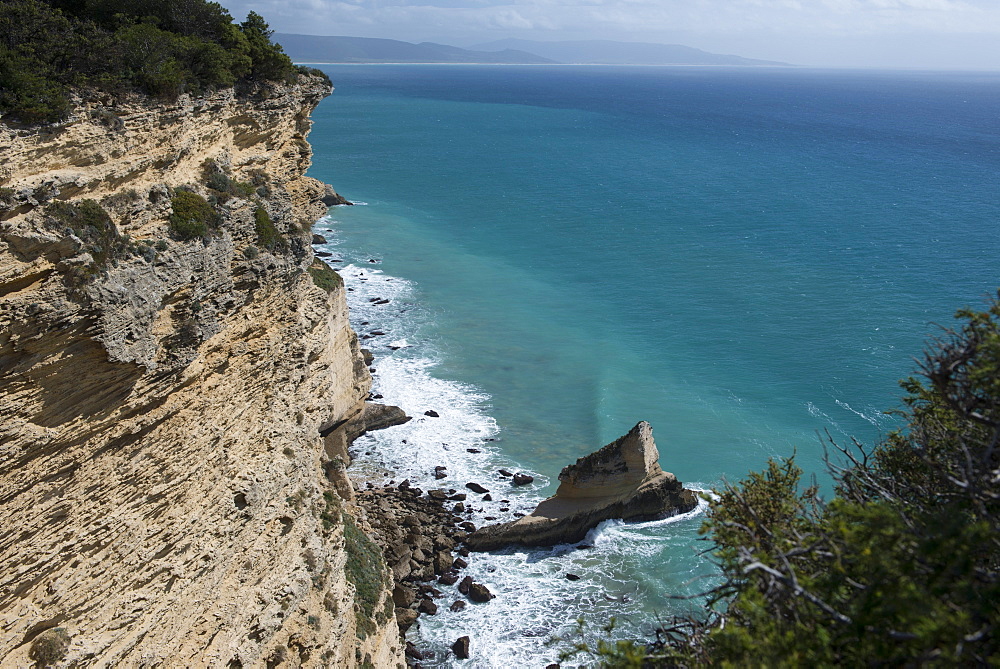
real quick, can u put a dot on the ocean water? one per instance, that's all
(747, 259)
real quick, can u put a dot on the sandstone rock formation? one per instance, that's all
(166, 495)
(621, 480)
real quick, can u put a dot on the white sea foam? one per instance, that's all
(535, 602)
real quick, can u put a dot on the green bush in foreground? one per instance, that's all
(192, 217)
(900, 568)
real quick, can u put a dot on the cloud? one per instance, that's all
(646, 16)
(773, 29)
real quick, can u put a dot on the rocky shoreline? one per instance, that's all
(426, 537)
(421, 541)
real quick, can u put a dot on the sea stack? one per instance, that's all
(621, 480)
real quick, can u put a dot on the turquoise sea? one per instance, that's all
(746, 258)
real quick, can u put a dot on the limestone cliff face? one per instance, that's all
(164, 490)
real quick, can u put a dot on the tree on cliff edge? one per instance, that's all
(158, 47)
(901, 567)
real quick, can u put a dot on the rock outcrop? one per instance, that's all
(621, 480)
(167, 495)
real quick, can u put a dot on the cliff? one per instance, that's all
(166, 494)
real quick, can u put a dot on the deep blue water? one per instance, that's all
(744, 258)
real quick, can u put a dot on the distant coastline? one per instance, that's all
(339, 50)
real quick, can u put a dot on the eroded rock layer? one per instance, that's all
(166, 495)
(621, 480)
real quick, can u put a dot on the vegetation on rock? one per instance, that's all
(49, 647)
(155, 47)
(324, 276)
(92, 224)
(900, 568)
(365, 568)
(267, 234)
(192, 217)
(222, 185)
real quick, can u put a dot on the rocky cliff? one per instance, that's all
(167, 365)
(621, 480)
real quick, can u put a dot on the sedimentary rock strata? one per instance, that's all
(621, 480)
(166, 493)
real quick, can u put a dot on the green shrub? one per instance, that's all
(219, 180)
(365, 568)
(312, 71)
(193, 216)
(158, 47)
(91, 223)
(268, 235)
(49, 647)
(324, 276)
(900, 567)
(331, 510)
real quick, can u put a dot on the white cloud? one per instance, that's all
(758, 28)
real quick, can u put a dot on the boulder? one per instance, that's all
(475, 487)
(457, 605)
(442, 562)
(318, 239)
(480, 593)
(622, 480)
(522, 479)
(403, 596)
(412, 651)
(405, 618)
(332, 198)
(461, 648)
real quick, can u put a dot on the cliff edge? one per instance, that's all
(167, 365)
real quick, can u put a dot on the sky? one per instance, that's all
(915, 34)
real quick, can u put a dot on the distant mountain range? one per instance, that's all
(319, 49)
(608, 52)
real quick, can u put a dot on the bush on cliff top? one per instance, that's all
(158, 47)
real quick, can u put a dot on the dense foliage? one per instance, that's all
(900, 568)
(193, 217)
(158, 47)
